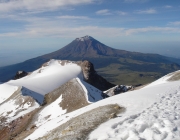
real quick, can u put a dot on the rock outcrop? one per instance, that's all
(20, 74)
(118, 89)
(91, 76)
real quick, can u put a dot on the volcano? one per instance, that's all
(103, 57)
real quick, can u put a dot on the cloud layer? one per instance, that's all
(147, 11)
(104, 12)
(38, 5)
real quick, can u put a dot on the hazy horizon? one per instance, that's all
(33, 28)
(17, 56)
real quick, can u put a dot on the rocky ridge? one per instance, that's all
(69, 97)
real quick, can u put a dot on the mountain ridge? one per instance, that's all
(64, 118)
(102, 56)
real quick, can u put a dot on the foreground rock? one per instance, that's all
(20, 74)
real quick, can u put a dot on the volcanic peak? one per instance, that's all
(87, 37)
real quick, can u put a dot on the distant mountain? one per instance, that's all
(102, 56)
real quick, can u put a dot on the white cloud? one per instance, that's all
(31, 5)
(152, 29)
(176, 23)
(168, 6)
(148, 11)
(64, 31)
(104, 12)
(73, 17)
(122, 13)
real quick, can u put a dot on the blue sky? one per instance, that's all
(29, 28)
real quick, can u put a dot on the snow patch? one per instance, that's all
(48, 78)
(48, 119)
(50, 112)
(92, 94)
(38, 97)
(84, 38)
(6, 91)
(12, 109)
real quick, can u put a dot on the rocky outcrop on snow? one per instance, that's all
(118, 89)
(57, 102)
(57, 88)
(20, 74)
(91, 76)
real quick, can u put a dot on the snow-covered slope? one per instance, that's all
(67, 111)
(43, 96)
(151, 113)
(49, 77)
(6, 91)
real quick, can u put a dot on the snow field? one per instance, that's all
(152, 112)
(53, 116)
(38, 97)
(48, 78)
(17, 106)
(51, 111)
(39, 83)
(6, 91)
(140, 119)
(160, 121)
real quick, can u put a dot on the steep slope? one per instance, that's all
(149, 113)
(57, 88)
(102, 56)
(34, 111)
(54, 74)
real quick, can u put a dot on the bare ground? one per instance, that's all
(175, 77)
(12, 129)
(16, 127)
(79, 128)
(73, 96)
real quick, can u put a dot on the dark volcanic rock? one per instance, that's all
(20, 74)
(91, 77)
(118, 89)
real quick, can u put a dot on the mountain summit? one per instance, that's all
(87, 37)
(83, 47)
(87, 48)
(143, 67)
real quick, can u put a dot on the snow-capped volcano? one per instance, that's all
(103, 57)
(87, 37)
